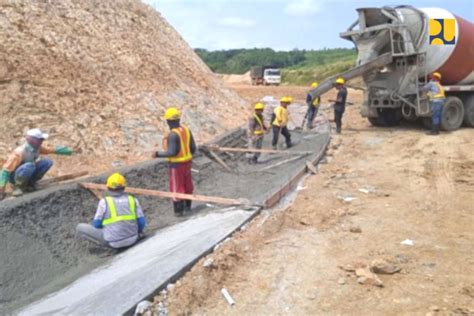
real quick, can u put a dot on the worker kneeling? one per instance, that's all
(256, 132)
(119, 219)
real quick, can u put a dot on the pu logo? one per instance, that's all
(442, 31)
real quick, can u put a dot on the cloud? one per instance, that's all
(236, 22)
(303, 7)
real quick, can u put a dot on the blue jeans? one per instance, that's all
(436, 111)
(30, 172)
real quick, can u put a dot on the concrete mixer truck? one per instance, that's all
(398, 48)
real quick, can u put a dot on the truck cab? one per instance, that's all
(272, 76)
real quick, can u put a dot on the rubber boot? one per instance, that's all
(17, 192)
(254, 160)
(178, 208)
(21, 185)
(434, 130)
(188, 205)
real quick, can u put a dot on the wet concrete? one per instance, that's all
(40, 253)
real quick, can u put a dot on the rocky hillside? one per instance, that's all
(99, 74)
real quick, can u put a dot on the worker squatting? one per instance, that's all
(119, 219)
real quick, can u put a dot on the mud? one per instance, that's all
(40, 253)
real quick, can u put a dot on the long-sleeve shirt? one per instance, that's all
(434, 89)
(27, 153)
(122, 233)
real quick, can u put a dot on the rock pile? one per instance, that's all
(99, 75)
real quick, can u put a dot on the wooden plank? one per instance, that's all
(65, 177)
(254, 150)
(280, 163)
(311, 167)
(194, 197)
(97, 193)
(220, 161)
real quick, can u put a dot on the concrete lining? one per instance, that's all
(116, 287)
(38, 229)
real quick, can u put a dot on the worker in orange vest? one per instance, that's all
(180, 147)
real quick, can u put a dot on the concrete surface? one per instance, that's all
(40, 253)
(116, 287)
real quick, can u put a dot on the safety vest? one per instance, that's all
(260, 130)
(282, 114)
(316, 102)
(440, 94)
(184, 153)
(114, 218)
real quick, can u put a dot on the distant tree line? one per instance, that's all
(239, 61)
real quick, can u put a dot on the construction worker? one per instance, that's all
(256, 132)
(119, 219)
(180, 147)
(437, 99)
(24, 167)
(340, 103)
(280, 122)
(313, 107)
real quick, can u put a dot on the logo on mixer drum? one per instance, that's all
(442, 31)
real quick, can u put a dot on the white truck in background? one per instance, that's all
(263, 75)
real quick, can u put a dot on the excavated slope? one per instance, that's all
(99, 74)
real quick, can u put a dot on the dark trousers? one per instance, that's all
(310, 115)
(338, 112)
(284, 131)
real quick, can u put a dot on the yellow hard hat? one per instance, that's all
(116, 181)
(172, 114)
(314, 85)
(286, 99)
(259, 106)
(437, 75)
(340, 80)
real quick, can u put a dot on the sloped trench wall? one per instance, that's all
(39, 250)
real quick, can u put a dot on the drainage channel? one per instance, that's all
(37, 231)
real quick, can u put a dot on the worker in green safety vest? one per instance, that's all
(119, 219)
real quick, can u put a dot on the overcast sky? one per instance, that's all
(278, 24)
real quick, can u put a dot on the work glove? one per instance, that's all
(63, 150)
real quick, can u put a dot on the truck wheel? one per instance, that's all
(453, 114)
(469, 111)
(374, 121)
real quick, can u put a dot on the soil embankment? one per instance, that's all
(99, 75)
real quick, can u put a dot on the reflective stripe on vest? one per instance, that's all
(440, 94)
(184, 153)
(114, 218)
(259, 121)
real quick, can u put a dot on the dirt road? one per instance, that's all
(380, 187)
